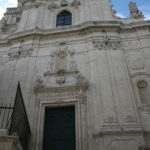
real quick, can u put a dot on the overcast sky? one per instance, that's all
(121, 7)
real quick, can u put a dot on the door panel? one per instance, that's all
(59, 129)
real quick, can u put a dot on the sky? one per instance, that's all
(121, 6)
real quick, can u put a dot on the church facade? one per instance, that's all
(83, 71)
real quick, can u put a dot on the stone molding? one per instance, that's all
(76, 28)
(134, 11)
(115, 130)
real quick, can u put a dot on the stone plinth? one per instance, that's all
(8, 142)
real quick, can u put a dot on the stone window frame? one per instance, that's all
(71, 10)
(41, 116)
(63, 14)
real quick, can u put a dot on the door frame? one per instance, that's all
(53, 104)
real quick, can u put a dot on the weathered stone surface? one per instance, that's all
(8, 142)
(100, 64)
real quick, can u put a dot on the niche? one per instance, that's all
(144, 91)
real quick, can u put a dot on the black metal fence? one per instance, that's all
(5, 116)
(15, 119)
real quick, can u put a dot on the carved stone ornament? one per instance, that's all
(107, 44)
(63, 3)
(33, 5)
(60, 78)
(134, 11)
(48, 82)
(19, 54)
(62, 72)
(76, 4)
(52, 6)
(62, 59)
(142, 84)
(130, 46)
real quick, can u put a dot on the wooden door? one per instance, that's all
(59, 129)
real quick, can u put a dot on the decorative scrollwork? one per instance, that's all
(107, 44)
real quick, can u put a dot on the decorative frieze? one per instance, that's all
(33, 5)
(107, 44)
(63, 3)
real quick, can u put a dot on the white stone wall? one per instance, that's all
(100, 65)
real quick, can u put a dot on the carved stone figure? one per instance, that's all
(134, 12)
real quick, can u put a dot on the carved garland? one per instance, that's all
(107, 44)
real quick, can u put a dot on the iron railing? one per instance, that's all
(5, 116)
(15, 119)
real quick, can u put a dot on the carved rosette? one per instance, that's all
(107, 44)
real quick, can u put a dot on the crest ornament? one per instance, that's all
(63, 73)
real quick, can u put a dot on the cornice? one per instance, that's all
(85, 28)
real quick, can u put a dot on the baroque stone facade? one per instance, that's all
(100, 64)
